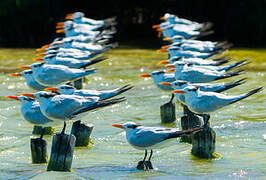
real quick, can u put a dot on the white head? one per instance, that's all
(68, 25)
(179, 84)
(63, 89)
(128, 126)
(36, 66)
(41, 96)
(78, 15)
(188, 91)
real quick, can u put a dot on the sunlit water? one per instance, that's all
(240, 129)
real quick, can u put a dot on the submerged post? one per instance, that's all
(82, 133)
(168, 113)
(38, 148)
(37, 130)
(78, 84)
(61, 152)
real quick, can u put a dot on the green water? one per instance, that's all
(240, 129)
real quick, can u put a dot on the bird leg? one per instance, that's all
(172, 97)
(142, 164)
(63, 130)
(148, 163)
(42, 132)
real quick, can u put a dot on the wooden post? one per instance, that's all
(82, 133)
(38, 148)
(189, 121)
(203, 143)
(37, 130)
(61, 152)
(78, 84)
(168, 111)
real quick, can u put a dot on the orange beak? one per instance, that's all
(167, 39)
(156, 26)
(145, 75)
(60, 31)
(24, 67)
(165, 47)
(59, 26)
(170, 70)
(16, 74)
(166, 84)
(46, 46)
(69, 16)
(28, 95)
(162, 50)
(162, 18)
(51, 89)
(163, 62)
(170, 66)
(40, 49)
(60, 23)
(179, 91)
(58, 43)
(160, 29)
(41, 54)
(37, 59)
(118, 126)
(13, 97)
(159, 34)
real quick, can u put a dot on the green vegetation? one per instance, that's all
(124, 57)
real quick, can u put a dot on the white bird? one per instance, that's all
(213, 87)
(30, 81)
(69, 62)
(208, 67)
(52, 75)
(196, 61)
(149, 138)
(202, 102)
(67, 107)
(30, 110)
(161, 76)
(176, 51)
(173, 19)
(198, 75)
(104, 94)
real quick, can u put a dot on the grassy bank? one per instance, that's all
(128, 58)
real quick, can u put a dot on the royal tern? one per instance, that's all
(30, 110)
(69, 62)
(52, 75)
(201, 102)
(213, 87)
(196, 61)
(67, 107)
(161, 76)
(30, 81)
(149, 138)
(199, 75)
(104, 94)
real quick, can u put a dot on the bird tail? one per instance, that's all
(230, 74)
(232, 84)
(187, 131)
(206, 26)
(101, 104)
(222, 43)
(94, 61)
(237, 64)
(247, 94)
(122, 89)
(110, 21)
(224, 46)
(202, 34)
(90, 71)
(221, 58)
(218, 63)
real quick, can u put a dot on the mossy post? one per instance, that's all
(168, 113)
(61, 152)
(38, 148)
(78, 84)
(189, 121)
(82, 133)
(203, 142)
(37, 130)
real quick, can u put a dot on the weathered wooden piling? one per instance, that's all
(78, 84)
(168, 113)
(82, 133)
(38, 148)
(37, 130)
(189, 121)
(62, 152)
(203, 143)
